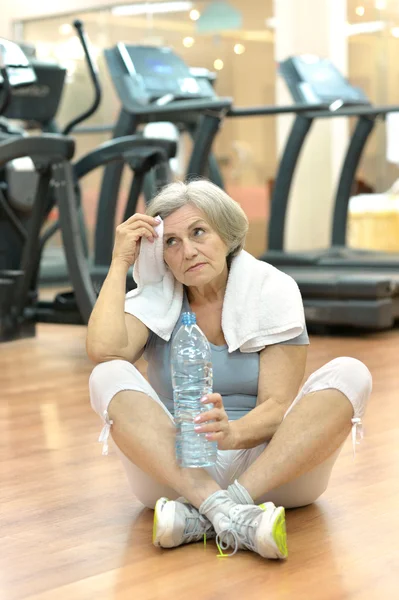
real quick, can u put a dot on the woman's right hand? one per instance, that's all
(128, 237)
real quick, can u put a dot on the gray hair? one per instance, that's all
(223, 214)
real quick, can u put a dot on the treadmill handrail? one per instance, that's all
(189, 105)
(354, 151)
(255, 111)
(93, 72)
(52, 146)
(283, 181)
(6, 88)
(78, 265)
(114, 150)
(314, 111)
(94, 129)
(355, 111)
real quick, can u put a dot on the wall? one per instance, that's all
(26, 9)
(249, 144)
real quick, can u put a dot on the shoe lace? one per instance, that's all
(197, 526)
(237, 534)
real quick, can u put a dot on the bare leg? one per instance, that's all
(146, 435)
(309, 434)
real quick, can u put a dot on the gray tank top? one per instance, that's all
(235, 375)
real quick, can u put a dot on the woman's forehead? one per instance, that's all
(183, 217)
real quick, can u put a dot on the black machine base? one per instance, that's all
(63, 310)
(10, 332)
(374, 315)
(338, 298)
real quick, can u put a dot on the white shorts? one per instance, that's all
(348, 375)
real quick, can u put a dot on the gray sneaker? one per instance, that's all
(177, 522)
(257, 528)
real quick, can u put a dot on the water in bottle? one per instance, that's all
(191, 364)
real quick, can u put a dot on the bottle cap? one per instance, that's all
(188, 318)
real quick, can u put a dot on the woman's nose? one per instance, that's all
(189, 249)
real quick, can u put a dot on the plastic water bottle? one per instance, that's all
(192, 378)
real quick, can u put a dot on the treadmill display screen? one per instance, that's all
(325, 79)
(19, 71)
(163, 72)
(149, 60)
(315, 79)
(158, 67)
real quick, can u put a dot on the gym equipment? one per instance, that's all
(155, 85)
(147, 77)
(35, 106)
(340, 286)
(58, 184)
(17, 230)
(311, 77)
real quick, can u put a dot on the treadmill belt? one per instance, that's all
(340, 298)
(336, 283)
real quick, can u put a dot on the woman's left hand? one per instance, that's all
(221, 430)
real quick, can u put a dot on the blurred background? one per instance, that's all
(361, 37)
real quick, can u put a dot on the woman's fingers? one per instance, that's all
(135, 232)
(141, 217)
(215, 414)
(140, 227)
(138, 223)
(215, 437)
(145, 232)
(215, 399)
(210, 427)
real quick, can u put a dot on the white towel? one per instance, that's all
(262, 305)
(158, 298)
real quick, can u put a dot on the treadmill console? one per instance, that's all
(39, 102)
(314, 80)
(19, 69)
(150, 74)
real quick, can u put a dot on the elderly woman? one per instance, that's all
(277, 441)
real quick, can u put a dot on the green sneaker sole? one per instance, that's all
(158, 507)
(279, 533)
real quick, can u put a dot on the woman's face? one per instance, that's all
(193, 251)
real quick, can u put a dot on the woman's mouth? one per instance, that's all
(196, 267)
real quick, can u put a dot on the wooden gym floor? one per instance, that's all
(71, 530)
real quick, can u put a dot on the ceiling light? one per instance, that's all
(150, 8)
(188, 42)
(195, 14)
(364, 27)
(380, 4)
(65, 29)
(360, 11)
(218, 64)
(271, 22)
(239, 48)
(395, 32)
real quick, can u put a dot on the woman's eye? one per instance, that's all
(169, 242)
(198, 229)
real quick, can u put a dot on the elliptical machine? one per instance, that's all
(20, 221)
(58, 185)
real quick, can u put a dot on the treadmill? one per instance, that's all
(154, 84)
(309, 78)
(337, 289)
(148, 80)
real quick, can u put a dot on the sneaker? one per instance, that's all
(257, 528)
(177, 522)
